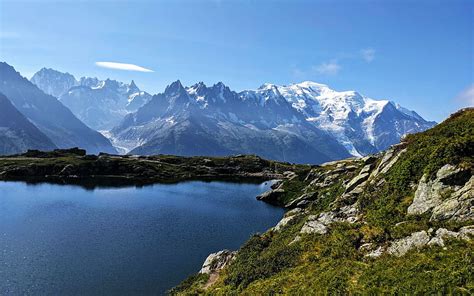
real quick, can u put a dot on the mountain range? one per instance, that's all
(48, 115)
(101, 104)
(305, 122)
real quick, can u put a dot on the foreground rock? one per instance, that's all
(216, 261)
(415, 240)
(418, 240)
(450, 196)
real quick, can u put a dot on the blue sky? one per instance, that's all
(417, 53)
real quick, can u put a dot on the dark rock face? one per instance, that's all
(49, 115)
(17, 133)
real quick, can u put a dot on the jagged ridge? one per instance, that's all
(303, 112)
(101, 104)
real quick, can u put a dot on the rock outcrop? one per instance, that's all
(319, 224)
(216, 261)
(301, 201)
(313, 225)
(289, 216)
(283, 222)
(272, 195)
(389, 158)
(418, 240)
(450, 196)
(460, 206)
(465, 233)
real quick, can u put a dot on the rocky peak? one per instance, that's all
(53, 82)
(111, 84)
(175, 88)
(198, 88)
(89, 81)
(219, 85)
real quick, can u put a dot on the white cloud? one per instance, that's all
(328, 68)
(368, 54)
(122, 66)
(466, 97)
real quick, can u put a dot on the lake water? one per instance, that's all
(66, 240)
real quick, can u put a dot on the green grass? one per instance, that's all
(191, 286)
(451, 142)
(332, 265)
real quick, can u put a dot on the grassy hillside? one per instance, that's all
(358, 250)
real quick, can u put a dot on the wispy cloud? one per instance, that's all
(328, 68)
(122, 66)
(466, 97)
(368, 54)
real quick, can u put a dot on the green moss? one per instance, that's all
(435, 271)
(327, 196)
(293, 189)
(190, 286)
(257, 261)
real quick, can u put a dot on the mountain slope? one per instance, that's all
(49, 115)
(201, 120)
(17, 134)
(400, 222)
(101, 104)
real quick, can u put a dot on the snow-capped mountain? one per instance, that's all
(53, 82)
(305, 122)
(201, 120)
(48, 114)
(101, 104)
(363, 125)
